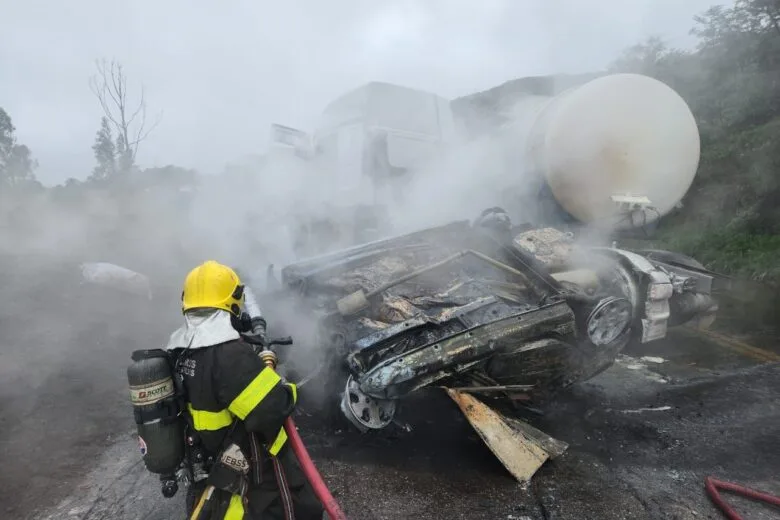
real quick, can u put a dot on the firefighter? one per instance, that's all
(236, 405)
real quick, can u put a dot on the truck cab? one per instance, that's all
(372, 135)
(365, 144)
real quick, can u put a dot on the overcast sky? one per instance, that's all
(223, 71)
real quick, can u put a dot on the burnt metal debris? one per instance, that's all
(505, 318)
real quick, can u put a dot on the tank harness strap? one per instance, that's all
(166, 411)
(257, 459)
(284, 490)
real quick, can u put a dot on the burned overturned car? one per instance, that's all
(516, 314)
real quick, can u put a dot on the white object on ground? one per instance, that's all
(651, 359)
(117, 277)
(640, 410)
(636, 364)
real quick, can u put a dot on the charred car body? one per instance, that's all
(520, 315)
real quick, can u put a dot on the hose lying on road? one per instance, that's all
(312, 475)
(712, 485)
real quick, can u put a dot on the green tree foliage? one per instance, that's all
(732, 83)
(16, 163)
(105, 153)
(7, 138)
(69, 194)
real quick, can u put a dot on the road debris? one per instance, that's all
(521, 448)
(640, 410)
(631, 363)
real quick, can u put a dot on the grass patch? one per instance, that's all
(753, 308)
(740, 254)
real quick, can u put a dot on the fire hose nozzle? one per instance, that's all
(269, 358)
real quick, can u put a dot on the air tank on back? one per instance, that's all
(157, 412)
(621, 137)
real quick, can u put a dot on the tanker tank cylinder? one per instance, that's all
(614, 139)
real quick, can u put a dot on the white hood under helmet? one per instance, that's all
(203, 328)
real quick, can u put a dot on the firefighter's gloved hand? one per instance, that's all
(256, 332)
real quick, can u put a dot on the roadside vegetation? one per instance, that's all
(730, 219)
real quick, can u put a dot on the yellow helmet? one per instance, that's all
(212, 285)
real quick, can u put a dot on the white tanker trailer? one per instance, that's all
(616, 152)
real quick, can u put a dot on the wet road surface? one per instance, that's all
(643, 436)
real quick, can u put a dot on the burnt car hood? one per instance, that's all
(438, 324)
(451, 354)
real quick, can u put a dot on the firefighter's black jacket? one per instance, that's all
(229, 391)
(229, 381)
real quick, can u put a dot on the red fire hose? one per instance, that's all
(712, 485)
(312, 475)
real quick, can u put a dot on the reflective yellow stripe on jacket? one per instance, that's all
(294, 389)
(242, 406)
(281, 438)
(235, 510)
(254, 392)
(210, 421)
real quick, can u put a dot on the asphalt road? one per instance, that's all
(643, 435)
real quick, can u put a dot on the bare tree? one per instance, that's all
(110, 87)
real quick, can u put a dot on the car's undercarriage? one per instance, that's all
(461, 307)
